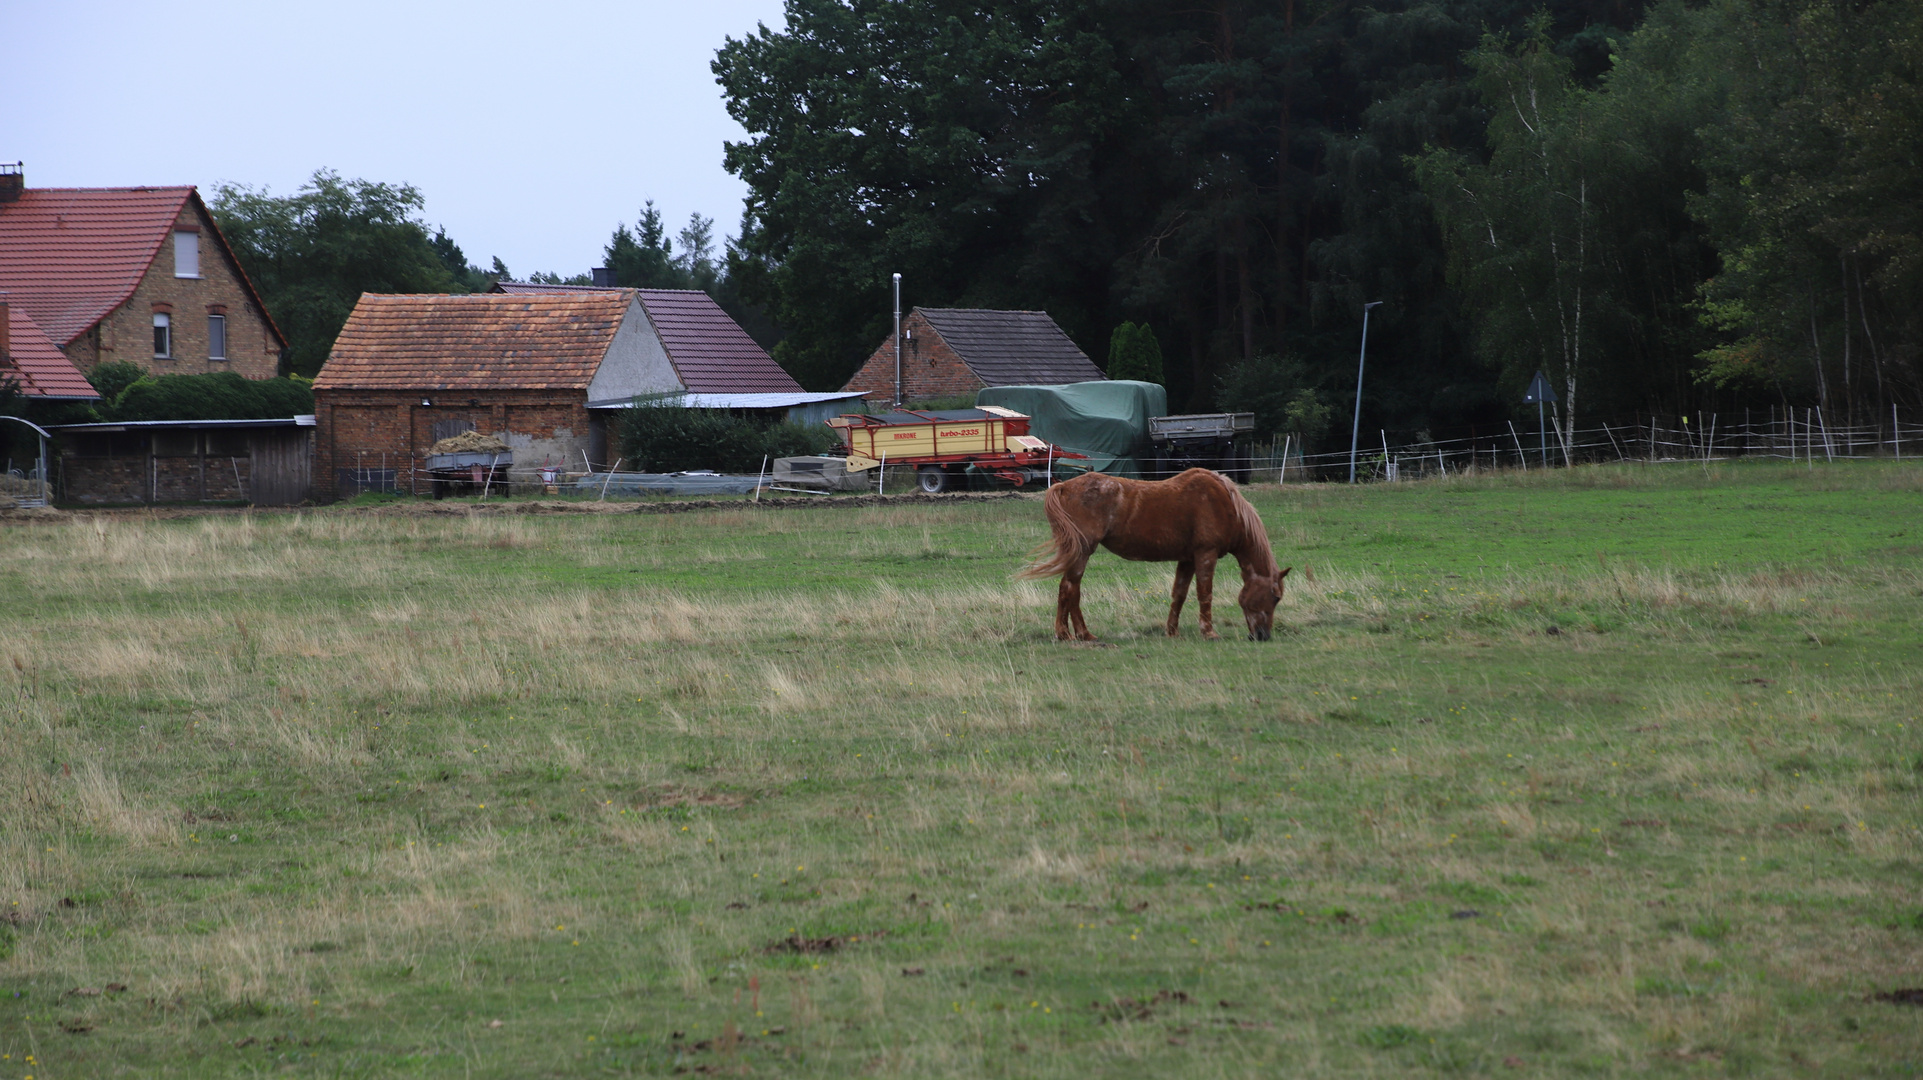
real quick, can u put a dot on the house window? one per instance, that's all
(163, 335)
(186, 254)
(216, 337)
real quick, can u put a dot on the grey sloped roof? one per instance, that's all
(1006, 348)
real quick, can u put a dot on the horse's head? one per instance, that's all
(1260, 594)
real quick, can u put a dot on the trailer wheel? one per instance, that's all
(1239, 466)
(934, 480)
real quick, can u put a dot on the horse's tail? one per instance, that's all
(1067, 542)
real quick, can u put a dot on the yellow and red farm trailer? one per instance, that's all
(942, 446)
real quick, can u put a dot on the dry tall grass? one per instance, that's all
(384, 763)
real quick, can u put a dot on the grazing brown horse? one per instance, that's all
(1191, 520)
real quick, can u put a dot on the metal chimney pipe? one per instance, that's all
(897, 341)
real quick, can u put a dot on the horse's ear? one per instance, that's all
(1284, 573)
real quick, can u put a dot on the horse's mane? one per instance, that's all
(1255, 536)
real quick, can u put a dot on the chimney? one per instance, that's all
(604, 277)
(13, 180)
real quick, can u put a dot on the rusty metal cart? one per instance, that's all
(469, 472)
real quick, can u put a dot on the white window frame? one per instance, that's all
(186, 254)
(216, 337)
(163, 336)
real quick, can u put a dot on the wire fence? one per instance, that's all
(1786, 434)
(358, 471)
(1791, 435)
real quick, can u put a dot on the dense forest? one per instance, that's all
(1664, 207)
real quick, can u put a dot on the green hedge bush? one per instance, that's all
(219, 395)
(661, 435)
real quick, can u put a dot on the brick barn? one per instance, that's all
(521, 365)
(946, 352)
(140, 274)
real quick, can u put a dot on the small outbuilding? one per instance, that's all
(260, 462)
(952, 352)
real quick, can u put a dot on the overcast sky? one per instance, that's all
(531, 128)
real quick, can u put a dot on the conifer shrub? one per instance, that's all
(1134, 353)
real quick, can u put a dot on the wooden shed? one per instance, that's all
(260, 462)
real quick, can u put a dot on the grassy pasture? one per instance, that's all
(1614, 771)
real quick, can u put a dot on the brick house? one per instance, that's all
(951, 351)
(520, 365)
(137, 274)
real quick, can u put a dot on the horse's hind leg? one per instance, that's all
(1068, 608)
(1183, 572)
(1205, 594)
(1068, 603)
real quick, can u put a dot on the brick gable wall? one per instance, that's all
(929, 368)
(127, 333)
(389, 432)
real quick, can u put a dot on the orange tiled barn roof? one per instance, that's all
(710, 351)
(486, 341)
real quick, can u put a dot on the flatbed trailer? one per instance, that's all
(942, 446)
(1201, 440)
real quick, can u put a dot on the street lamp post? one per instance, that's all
(897, 341)
(1355, 428)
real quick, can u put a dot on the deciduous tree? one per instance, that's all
(313, 253)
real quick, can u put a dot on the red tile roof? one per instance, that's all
(418, 342)
(38, 366)
(486, 341)
(710, 351)
(68, 256)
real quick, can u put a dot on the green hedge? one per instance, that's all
(660, 435)
(219, 395)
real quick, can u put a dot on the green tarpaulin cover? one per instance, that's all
(1107, 420)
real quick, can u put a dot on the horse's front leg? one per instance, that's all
(1204, 594)
(1179, 595)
